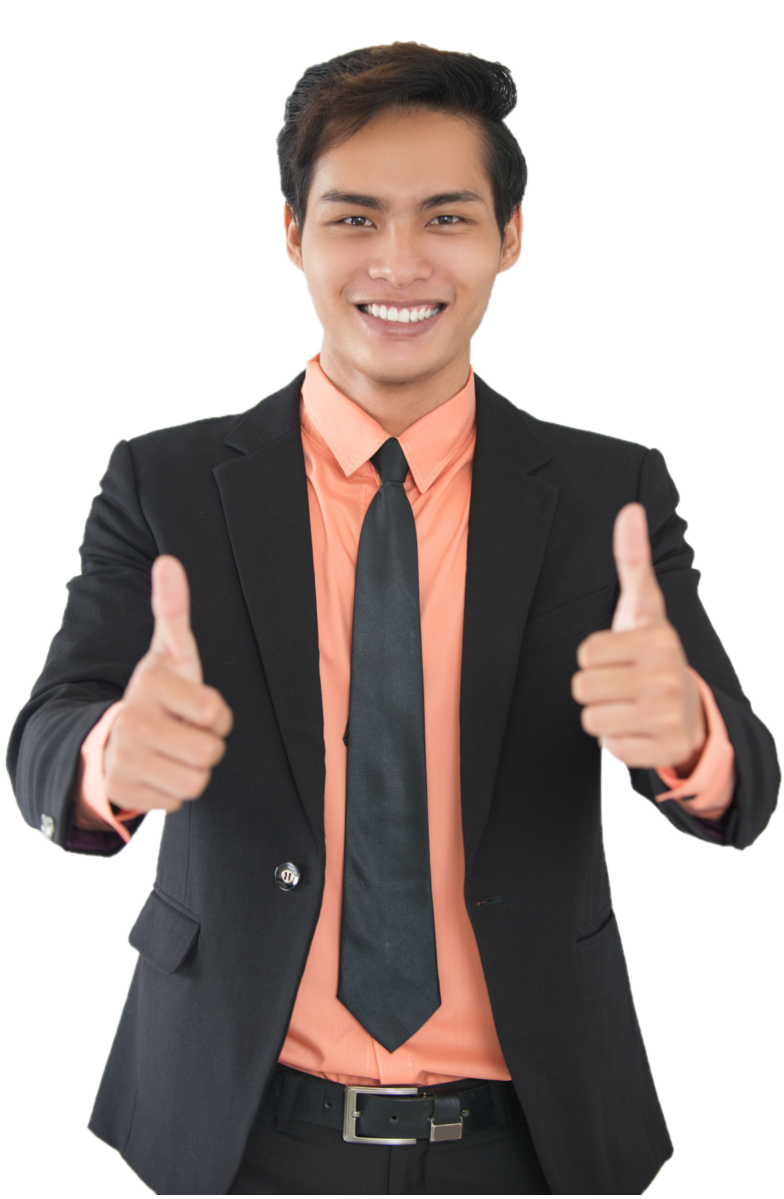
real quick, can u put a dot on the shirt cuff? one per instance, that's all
(709, 789)
(91, 793)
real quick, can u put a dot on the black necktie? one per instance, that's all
(388, 969)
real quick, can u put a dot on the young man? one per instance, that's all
(362, 644)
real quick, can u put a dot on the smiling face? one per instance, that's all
(400, 248)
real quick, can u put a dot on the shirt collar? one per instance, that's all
(353, 436)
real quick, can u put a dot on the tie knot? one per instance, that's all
(390, 462)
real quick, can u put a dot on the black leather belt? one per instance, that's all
(394, 1115)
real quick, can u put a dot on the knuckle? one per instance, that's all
(187, 786)
(208, 751)
(195, 783)
(210, 704)
(200, 752)
(191, 782)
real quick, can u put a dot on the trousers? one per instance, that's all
(284, 1156)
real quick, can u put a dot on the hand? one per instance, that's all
(641, 700)
(171, 728)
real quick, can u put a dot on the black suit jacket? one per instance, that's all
(222, 948)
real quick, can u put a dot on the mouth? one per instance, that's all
(397, 327)
(410, 314)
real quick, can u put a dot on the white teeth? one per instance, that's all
(402, 315)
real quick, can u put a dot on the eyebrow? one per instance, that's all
(360, 201)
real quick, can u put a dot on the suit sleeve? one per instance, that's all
(754, 771)
(106, 629)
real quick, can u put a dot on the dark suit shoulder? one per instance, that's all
(176, 439)
(217, 438)
(598, 447)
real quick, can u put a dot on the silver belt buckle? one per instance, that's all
(351, 1115)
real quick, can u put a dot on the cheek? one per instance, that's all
(329, 272)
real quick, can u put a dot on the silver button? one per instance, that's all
(47, 826)
(287, 876)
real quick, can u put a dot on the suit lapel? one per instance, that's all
(265, 503)
(508, 525)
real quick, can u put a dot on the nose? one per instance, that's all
(398, 260)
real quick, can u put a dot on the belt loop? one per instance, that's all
(500, 1095)
(287, 1100)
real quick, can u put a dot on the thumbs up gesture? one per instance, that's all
(638, 695)
(172, 639)
(171, 728)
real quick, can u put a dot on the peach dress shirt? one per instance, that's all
(338, 438)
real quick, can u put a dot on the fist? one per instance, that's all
(170, 731)
(639, 697)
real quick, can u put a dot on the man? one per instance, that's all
(362, 643)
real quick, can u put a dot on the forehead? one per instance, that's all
(405, 155)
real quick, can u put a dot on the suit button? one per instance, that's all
(287, 876)
(47, 826)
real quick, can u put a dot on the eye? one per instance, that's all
(353, 222)
(446, 219)
(442, 217)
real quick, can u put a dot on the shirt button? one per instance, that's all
(47, 826)
(287, 876)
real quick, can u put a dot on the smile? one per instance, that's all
(398, 327)
(404, 316)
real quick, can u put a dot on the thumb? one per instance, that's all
(171, 606)
(641, 601)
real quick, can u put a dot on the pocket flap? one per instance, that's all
(163, 934)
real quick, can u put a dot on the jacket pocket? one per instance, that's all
(163, 933)
(576, 619)
(598, 951)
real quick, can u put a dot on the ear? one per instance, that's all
(513, 238)
(293, 237)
